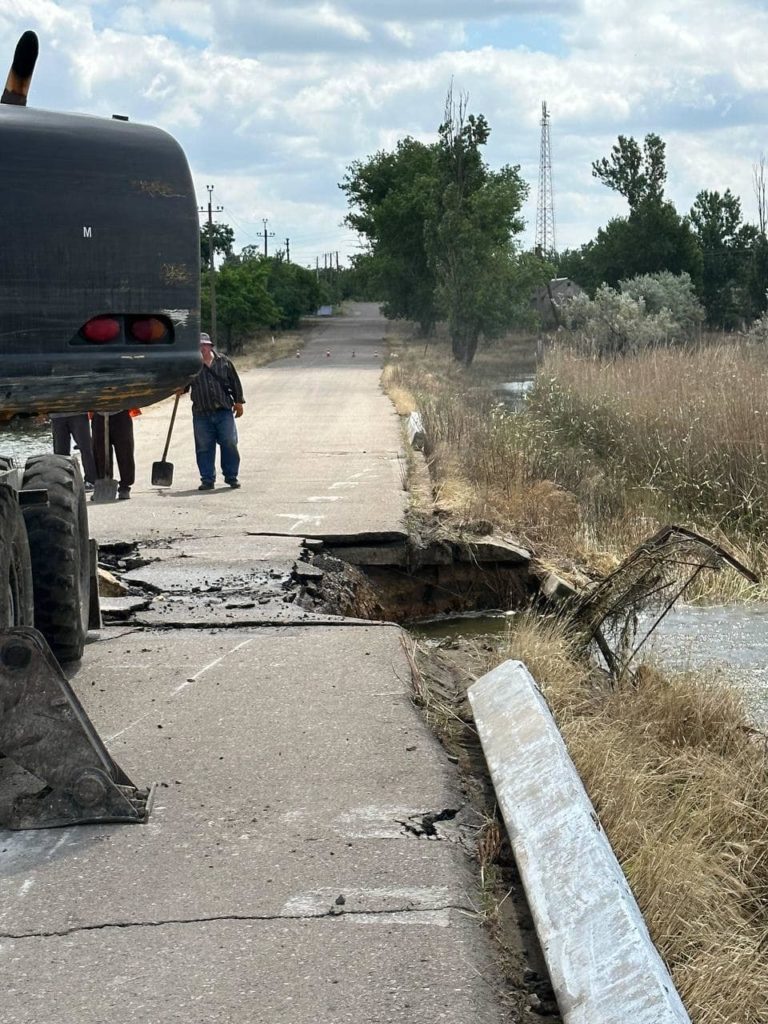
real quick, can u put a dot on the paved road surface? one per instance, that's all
(282, 877)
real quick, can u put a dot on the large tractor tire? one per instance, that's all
(58, 544)
(16, 605)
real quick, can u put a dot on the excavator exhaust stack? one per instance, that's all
(54, 768)
(20, 76)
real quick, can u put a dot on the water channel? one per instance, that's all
(24, 437)
(730, 641)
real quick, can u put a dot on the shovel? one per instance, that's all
(105, 490)
(162, 471)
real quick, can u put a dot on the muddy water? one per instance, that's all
(435, 631)
(732, 640)
(24, 438)
(514, 393)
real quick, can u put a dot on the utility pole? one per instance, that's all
(287, 250)
(211, 268)
(267, 234)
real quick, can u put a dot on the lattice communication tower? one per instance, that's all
(545, 208)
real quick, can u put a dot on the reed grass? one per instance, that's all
(605, 452)
(689, 427)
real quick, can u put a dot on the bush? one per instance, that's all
(650, 310)
(673, 292)
(616, 324)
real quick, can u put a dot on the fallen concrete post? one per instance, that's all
(603, 965)
(415, 429)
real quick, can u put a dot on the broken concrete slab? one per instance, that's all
(123, 607)
(110, 585)
(306, 572)
(491, 549)
(368, 554)
(555, 588)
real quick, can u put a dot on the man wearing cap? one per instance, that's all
(217, 399)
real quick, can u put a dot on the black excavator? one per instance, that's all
(99, 311)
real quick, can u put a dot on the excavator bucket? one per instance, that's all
(54, 768)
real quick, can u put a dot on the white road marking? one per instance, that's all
(324, 498)
(180, 688)
(300, 520)
(59, 844)
(212, 664)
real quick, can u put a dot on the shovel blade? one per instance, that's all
(162, 474)
(104, 490)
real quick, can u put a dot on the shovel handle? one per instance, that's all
(170, 428)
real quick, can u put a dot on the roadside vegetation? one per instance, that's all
(647, 407)
(261, 296)
(603, 452)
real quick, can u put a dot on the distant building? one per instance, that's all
(549, 300)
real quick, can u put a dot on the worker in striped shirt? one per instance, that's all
(217, 400)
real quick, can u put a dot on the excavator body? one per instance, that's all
(99, 311)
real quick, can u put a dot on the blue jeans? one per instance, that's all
(212, 428)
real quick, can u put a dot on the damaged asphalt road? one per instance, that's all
(288, 873)
(185, 583)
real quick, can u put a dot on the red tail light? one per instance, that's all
(148, 329)
(101, 329)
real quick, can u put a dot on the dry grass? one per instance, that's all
(688, 427)
(680, 782)
(605, 452)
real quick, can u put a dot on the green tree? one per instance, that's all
(469, 239)
(653, 238)
(294, 290)
(637, 175)
(243, 304)
(358, 281)
(727, 252)
(223, 241)
(392, 198)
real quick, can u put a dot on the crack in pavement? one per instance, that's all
(262, 624)
(333, 912)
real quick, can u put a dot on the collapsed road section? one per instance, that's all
(363, 577)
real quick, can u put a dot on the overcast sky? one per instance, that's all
(273, 99)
